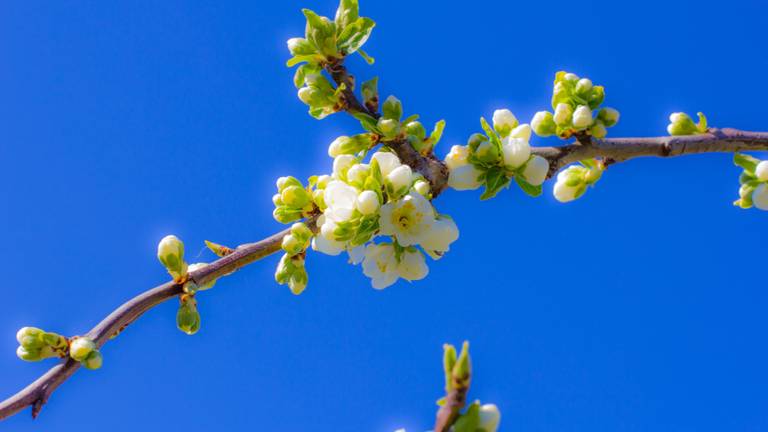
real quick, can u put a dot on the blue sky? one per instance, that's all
(639, 307)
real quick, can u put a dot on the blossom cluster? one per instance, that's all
(573, 181)
(496, 157)
(359, 202)
(36, 344)
(574, 101)
(754, 182)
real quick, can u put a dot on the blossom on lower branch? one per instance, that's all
(358, 202)
(754, 182)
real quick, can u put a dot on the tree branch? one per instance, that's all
(37, 393)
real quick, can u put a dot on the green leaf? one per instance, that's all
(367, 122)
(470, 420)
(322, 32)
(392, 109)
(437, 133)
(495, 180)
(347, 13)
(302, 72)
(293, 61)
(355, 35)
(534, 191)
(490, 133)
(747, 162)
(368, 59)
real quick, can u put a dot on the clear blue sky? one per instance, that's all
(125, 121)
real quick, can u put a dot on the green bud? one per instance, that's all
(277, 200)
(298, 281)
(30, 355)
(449, 361)
(318, 197)
(475, 140)
(597, 97)
(463, 367)
(188, 318)
(598, 130)
(322, 32)
(286, 214)
(93, 361)
(543, 124)
(192, 285)
(608, 116)
(584, 87)
(170, 252)
(284, 182)
(30, 338)
(416, 129)
(392, 109)
(681, 124)
(80, 348)
(301, 47)
(301, 232)
(295, 196)
(55, 341)
(388, 127)
(292, 246)
(487, 152)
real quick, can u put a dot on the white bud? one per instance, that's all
(358, 173)
(584, 85)
(80, 348)
(422, 187)
(464, 177)
(305, 95)
(342, 162)
(335, 148)
(490, 417)
(387, 162)
(323, 181)
(504, 121)
(564, 193)
(762, 171)
(536, 170)
(582, 117)
(457, 157)
(571, 77)
(515, 151)
(760, 197)
(280, 183)
(563, 114)
(522, 131)
(367, 202)
(400, 177)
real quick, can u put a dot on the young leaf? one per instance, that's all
(370, 90)
(534, 191)
(747, 162)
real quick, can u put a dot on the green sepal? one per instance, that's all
(534, 191)
(470, 420)
(745, 161)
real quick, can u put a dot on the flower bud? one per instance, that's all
(543, 124)
(681, 124)
(422, 187)
(761, 171)
(416, 129)
(387, 162)
(490, 416)
(515, 151)
(487, 152)
(582, 117)
(29, 355)
(464, 177)
(291, 245)
(608, 116)
(760, 197)
(342, 163)
(571, 77)
(295, 196)
(475, 140)
(80, 348)
(93, 361)
(392, 109)
(598, 130)
(277, 200)
(284, 182)
(300, 46)
(565, 193)
(401, 177)
(536, 170)
(306, 95)
(301, 231)
(170, 252)
(30, 338)
(504, 121)
(583, 86)
(457, 157)
(337, 146)
(522, 131)
(358, 173)
(597, 96)
(188, 318)
(563, 115)
(367, 202)
(322, 181)
(286, 215)
(388, 127)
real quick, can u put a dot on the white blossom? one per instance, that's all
(563, 114)
(582, 117)
(400, 177)
(760, 197)
(536, 170)
(334, 149)
(438, 239)
(342, 163)
(340, 200)
(358, 173)
(412, 266)
(422, 187)
(387, 162)
(565, 193)
(356, 254)
(762, 171)
(329, 247)
(408, 219)
(515, 151)
(367, 202)
(380, 265)
(490, 417)
(457, 157)
(523, 132)
(464, 177)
